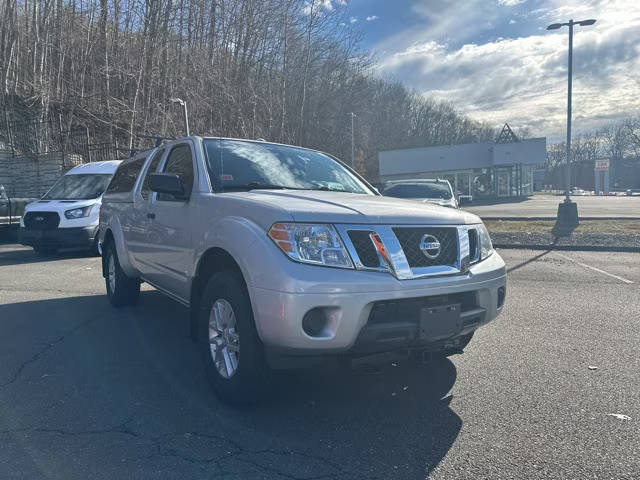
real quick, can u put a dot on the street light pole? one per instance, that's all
(568, 213)
(567, 198)
(353, 148)
(184, 112)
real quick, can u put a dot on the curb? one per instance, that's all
(574, 248)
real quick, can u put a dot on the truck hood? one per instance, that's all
(336, 207)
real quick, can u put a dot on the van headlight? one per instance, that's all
(486, 247)
(317, 244)
(79, 212)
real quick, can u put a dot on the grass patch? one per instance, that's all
(621, 226)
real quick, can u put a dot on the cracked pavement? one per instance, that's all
(87, 391)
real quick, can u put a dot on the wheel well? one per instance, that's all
(212, 261)
(108, 238)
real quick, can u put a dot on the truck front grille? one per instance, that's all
(41, 220)
(364, 247)
(410, 238)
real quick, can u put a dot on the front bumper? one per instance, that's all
(73, 237)
(349, 324)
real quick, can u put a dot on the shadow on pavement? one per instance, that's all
(122, 393)
(20, 255)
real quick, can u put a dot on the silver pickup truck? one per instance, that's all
(284, 254)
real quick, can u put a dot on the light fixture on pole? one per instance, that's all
(568, 212)
(184, 111)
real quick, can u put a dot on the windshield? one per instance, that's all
(240, 165)
(78, 187)
(419, 190)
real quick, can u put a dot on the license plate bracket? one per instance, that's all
(439, 323)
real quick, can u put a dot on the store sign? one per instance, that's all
(602, 164)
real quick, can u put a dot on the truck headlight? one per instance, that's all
(78, 212)
(486, 247)
(311, 243)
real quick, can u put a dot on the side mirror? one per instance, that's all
(168, 183)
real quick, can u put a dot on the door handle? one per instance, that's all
(151, 215)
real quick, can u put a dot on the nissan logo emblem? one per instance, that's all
(39, 219)
(430, 246)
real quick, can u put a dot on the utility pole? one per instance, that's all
(353, 144)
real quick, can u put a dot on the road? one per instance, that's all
(90, 392)
(547, 206)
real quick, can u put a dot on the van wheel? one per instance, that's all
(232, 352)
(121, 289)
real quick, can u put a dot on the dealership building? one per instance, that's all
(483, 170)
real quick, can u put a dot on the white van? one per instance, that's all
(67, 215)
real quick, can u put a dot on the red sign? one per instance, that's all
(602, 164)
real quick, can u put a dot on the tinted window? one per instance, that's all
(236, 165)
(418, 190)
(179, 162)
(146, 191)
(78, 187)
(125, 177)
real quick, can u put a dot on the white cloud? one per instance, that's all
(511, 3)
(326, 4)
(353, 20)
(523, 80)
(512, 21)
(371, 18)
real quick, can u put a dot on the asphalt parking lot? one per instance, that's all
(620, 206)
(90, 392)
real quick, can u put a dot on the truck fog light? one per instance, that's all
(314, 322)
(501, 295)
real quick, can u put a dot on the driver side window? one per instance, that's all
(179, 162)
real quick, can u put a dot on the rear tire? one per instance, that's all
(231, 350)
(122, 290)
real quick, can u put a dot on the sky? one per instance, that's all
(495, 60)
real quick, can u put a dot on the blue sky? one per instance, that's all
(494, 60)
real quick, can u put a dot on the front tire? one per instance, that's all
(122, 290)
(231, 350)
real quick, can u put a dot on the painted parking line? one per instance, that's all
(594, 268)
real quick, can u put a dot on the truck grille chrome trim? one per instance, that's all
(456, 255)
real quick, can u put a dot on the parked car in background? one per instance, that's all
(11, 208)
(67, 215)
(285, 256)
(578, 191)
(436, 191)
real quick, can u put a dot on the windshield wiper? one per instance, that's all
(259, 186)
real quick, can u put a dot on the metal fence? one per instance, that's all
(34, 154)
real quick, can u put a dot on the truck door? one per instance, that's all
(167, 248)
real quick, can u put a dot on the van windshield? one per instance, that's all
(78, 187)
(418, 190)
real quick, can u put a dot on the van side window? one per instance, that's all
(125, 177)
(179, 162)
(153, 166)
